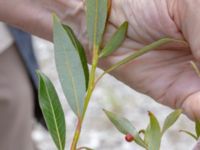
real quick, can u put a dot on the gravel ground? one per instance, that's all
(98, 133)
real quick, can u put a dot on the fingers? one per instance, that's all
(191, 106)
(74, 16)
(186, 15)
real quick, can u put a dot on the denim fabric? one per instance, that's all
(24, 44)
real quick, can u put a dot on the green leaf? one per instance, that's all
(125, 127)
(197, 128)
(115, 41)
(52, 110)
(69, 67)
(153, 133)
(171, 119)
(146, 134)
(96, 19)
(190, 134)
(80, 50)
(141, 52)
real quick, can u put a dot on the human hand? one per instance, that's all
(164, 74)
(36, 16)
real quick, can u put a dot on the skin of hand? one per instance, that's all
(164, 74)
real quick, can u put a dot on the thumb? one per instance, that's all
(191, 106)
(186, 16)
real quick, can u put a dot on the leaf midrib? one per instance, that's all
(73, 84)
(54, 118)
(69, 68)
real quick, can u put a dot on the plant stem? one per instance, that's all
(87, 97)
(76, 135)
(92, 82)
(92, 78)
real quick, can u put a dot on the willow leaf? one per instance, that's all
(171, 119)
(116, 40)
(81, 52)
(190, 134)
(142, 51)
(96, 19)
(69, 67)
(52, 111)
(153, 133)
(197, 128)
(125, 127)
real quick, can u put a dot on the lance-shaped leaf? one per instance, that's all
(96, 19)
(115, 41)
(153, 133)
(80, 50)
(125, 127)
(197, 128)
(145, 134)
(52, 110)
(141, 52)
(171, 119)
(69, 67)
(190, 134)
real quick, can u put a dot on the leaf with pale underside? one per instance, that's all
(153, 133)
(125, 127)
(69, 67)
(171, 119)
(80, 50)
(143, 51)
(96, 15)
(52, 111)
(116, 40)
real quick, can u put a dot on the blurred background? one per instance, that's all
(98, 132)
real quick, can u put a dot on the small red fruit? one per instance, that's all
(129, 138)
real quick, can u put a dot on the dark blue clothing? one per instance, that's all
(25, 48)
(24, 45)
